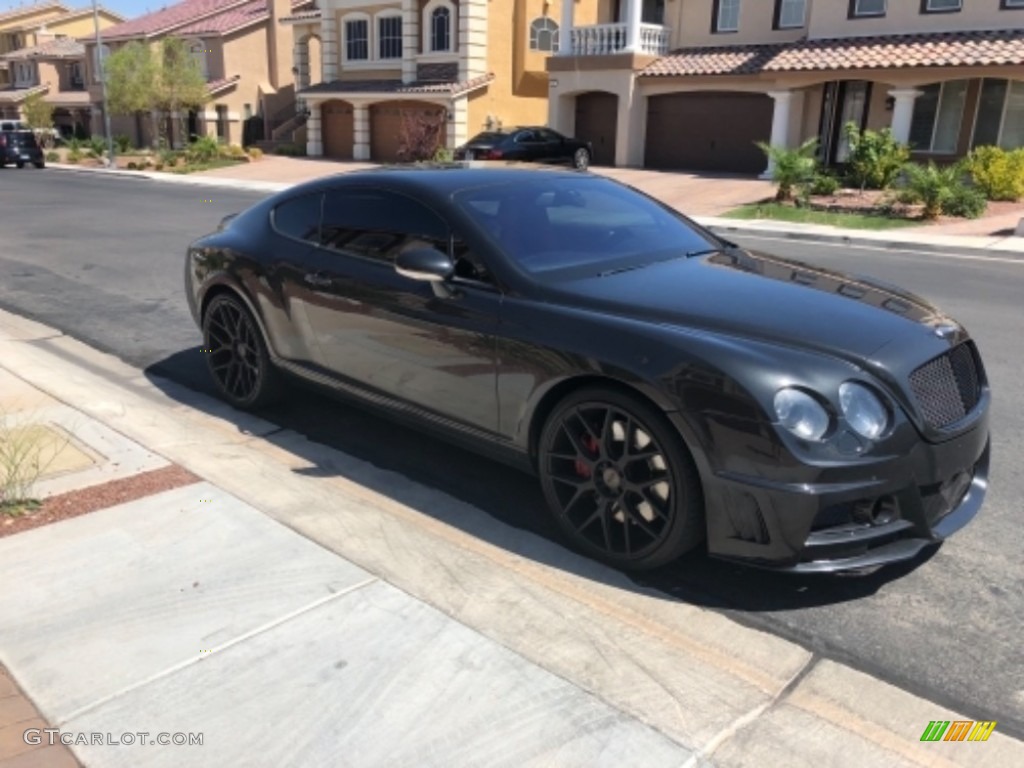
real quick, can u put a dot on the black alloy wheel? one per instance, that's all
(236, 355)
(619, 480)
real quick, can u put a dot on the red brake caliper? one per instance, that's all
(591, 444)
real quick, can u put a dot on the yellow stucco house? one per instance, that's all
(362, 68)
(244, 53)
(692, 84)
(39, 54)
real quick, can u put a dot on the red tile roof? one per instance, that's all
(398, 87)
(950, 49)
(231, 19)
(947, 49)
(215, 86)
(65, 48)
(14, 13)
(169, 18)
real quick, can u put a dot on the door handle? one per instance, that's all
(317, 278)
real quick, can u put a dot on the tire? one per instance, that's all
(237, 357)
(619, 480)
(39, 165)
(20, 164)
(581, 159)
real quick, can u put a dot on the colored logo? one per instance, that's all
(958, 730)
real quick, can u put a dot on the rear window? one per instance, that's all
(22, 138)
(488, 137)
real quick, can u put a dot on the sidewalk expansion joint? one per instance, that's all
(705, 753)
(213, 652)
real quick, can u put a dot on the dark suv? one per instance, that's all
(20, 147)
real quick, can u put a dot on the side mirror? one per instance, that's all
(427, 264)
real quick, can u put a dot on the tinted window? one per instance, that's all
(525, 136)
(590, 224)
(378, 224)
(488, 137)
(547, 135)
(299, 217)
(23, 138)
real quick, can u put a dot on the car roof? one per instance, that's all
(446, 178)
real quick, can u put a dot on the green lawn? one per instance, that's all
(220, 162)
(776, 212)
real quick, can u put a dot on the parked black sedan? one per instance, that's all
(531, 145)
(667, 386)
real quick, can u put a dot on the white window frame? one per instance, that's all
(390, 13)
(97, 52)
(544, 24)
(357, 16)
(428, 28)
(944, 9)
(930, 149)
(722, 5)
(1013, 3)
(782, 11)
(859, 14)
(1002, 114)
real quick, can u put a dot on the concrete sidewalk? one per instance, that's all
(704, 197)
(290, 605)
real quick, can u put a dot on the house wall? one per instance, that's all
(691, 23)
(81, 26)
(245, 54)
(829, 18)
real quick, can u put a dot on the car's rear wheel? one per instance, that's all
(39, 165)
(581, 159)
(237, 356)
(20, 164)
(619, 480)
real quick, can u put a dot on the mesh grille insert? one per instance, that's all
(947, 387)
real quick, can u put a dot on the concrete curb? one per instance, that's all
(988, 247)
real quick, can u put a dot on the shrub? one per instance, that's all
(52, 157)
(997, 173)
(132, 167)
(938, 188)
(158, 167)
(443, 155)
(168, 157)
(965, 202)
(876, 158)
(823, 184)
(124, 143)
(74, 156)
(97, 146)
(203, 150)
(419, 137)
(75, 145)
(233, 151)
(255, 153)
(26, 451)
(791, 168)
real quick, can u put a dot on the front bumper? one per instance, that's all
(919, 500)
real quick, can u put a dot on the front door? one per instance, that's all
(843, 102)
(389, 333)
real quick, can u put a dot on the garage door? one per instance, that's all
(708, 131)
(596, 116)
(393, 124)
(337, 127)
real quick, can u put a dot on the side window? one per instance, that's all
(377, 224)
(549, 136)
(525, 137)
(299, 217)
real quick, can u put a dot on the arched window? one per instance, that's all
(439, 28)
(543, 35)
(103, 52)
(197, 50)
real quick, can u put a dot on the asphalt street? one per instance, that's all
(102, 259)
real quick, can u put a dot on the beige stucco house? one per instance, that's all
(245, 54)
(692, 84)
(39, 54)
(468, 63)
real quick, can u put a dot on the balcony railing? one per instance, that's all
(603, 39)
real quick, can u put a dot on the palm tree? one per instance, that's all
(791, 167)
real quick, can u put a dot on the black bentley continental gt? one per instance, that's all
(668, 387)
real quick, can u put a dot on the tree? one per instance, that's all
(38, 114)
(132, 82)
(791, 168)
(181, 84)
(876, 158)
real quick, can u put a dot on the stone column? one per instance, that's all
(565, 28)
(361, 132)
(329, 45)
(780, 126)
(903, 113)
(410, 39)
(472, 39)
(314, 137)
(300, 65)
(633, 20)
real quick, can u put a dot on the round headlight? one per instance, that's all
(864, 411)
(801, 414)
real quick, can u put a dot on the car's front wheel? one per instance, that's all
(237, 355)
(20, 163)
(581, 159)
(619, 480)
(40, 165)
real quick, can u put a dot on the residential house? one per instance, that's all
(44, 57)
(12, 36)
(693, 84)
(467, 64)
(242, 50)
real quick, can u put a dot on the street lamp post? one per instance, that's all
(102, 66)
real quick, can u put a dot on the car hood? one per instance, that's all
(773, 299)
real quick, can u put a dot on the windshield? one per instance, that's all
(590, 224)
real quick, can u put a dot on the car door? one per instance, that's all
(393, 335)
(550, 147)
(528, 147)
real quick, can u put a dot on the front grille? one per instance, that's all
(948, 387)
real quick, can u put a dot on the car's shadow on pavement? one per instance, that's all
(505, 494)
